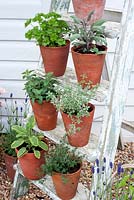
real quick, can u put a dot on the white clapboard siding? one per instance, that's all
(22, 9)
(23, 51)
(13, 70)
(12, 30)
(15, 87)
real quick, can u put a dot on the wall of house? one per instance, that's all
(18, 54)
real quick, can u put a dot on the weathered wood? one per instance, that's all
(112, 29)
(46, 185)
(70, 77)
(120, 142)
(60, 6)
(89, 151)
(129, 126)
(122, 66)
(20, 185)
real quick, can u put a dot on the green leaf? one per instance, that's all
(34, 140)
(19, 129)
(90, 15)
(43, 145)
(17, 143)
(37, 153)
(99, 22)
(22, 152)
(27, 22)
(76, 19)
(31, 122)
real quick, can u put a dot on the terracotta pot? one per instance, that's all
(45, 115)
(55, 58)
(79, 138)
(9, 162)
(83, 7)
(66, 184)
(31, 166)
(89, 66)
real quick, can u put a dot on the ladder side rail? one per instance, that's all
(115, 103)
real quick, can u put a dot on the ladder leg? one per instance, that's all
(20, 186)
(120, 142)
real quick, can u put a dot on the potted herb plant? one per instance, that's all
(83, 7)
(38, 87)
(48, 30)
(64, 165)
(77, 112)
(9, 154)
(15, 116)
(30, 148)
(89, 48)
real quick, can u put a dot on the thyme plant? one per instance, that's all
(73, 99)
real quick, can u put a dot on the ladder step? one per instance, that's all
(70, 77)
(46, 185)
(89, 151)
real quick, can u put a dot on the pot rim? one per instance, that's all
(68, 174)
(91, 105)
(87, 54)
(64, 46)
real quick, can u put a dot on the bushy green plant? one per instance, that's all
(15, 116)
(88, 38)
(47, 29)
(27, 140)
(62, 159)
(73, 99)
(38, 86)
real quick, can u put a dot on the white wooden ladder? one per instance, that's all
(114, 107)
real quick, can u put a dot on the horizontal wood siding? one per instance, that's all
(12, 70)
(19, 51)
(12, 30)
(20, 9)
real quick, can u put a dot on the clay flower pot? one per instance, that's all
(45, 115)
(89, 66)
(55, 58)
(83, 7)
(31, 166)
(9, 162)
(81, 137)
(66, 184)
